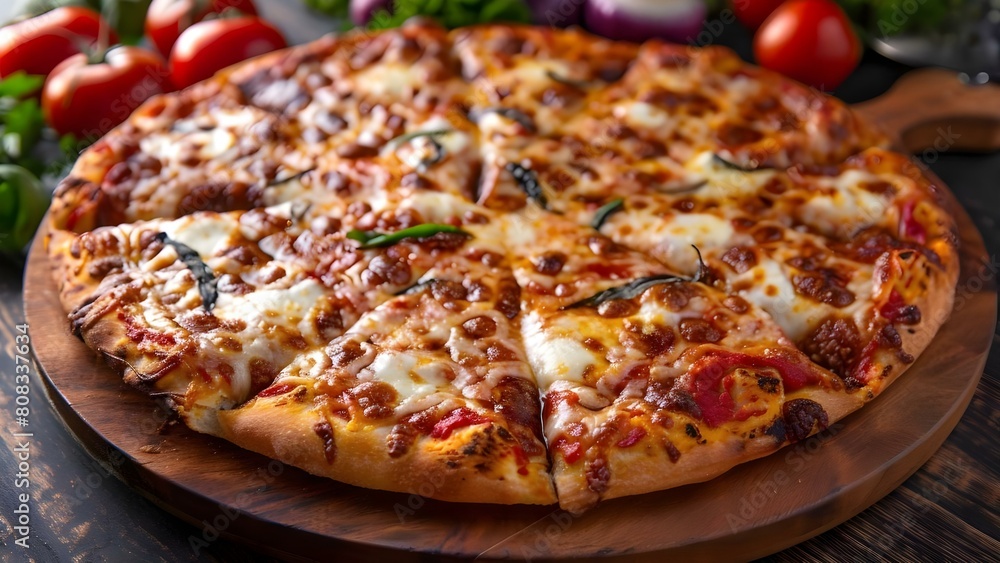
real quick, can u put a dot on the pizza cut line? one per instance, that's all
(532, 265)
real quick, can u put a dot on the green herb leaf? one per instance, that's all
(452, 13)
(607, 210)
(528, 181)
(20, 84)
(332, 8)
(207, 282)
(431, 136)
(510, 113)
(630, 290)
(407, 137)
(638, 286)
(753, 167)
(373, 239)
(296, 176)
(362, 236)
(578, 84)
(417, 287)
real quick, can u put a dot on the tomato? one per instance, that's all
(809, 40)
(752, 13)
(212, 45)
(167, 19)
(38, 44)
(88, 98)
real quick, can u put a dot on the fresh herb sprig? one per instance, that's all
(527, 180)
(207, 282)
(452, 13)
(606, 211)
(372, 239)
(638, 286)
(431, 136)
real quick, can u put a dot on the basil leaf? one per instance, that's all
(452, 13)
(362, 236)
(606, 211)
(407, 137)
(528, 181)
(207, 283)
(578, 84)
(738, 167)
(379, 240)
(333, 8)
(439, 150)
(510, 113)
(417, 287)
(296, 176)
(638, 286)
(632, 289)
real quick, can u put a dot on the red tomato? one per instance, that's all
(89, 99)
(809, 40)
(752, 13)
(38, 44)
(167, 19)
(212, 45)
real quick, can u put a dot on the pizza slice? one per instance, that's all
(652, 380)
(193, 310)
(205, 310)
(339, 118)
(857, 263)
(429, 393)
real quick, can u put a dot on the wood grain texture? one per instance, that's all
(753, 510)
(932, 110)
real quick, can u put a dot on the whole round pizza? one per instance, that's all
(523, 265)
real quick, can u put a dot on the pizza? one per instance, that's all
(524, 265)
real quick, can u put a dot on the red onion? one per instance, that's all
(557, 13)
(639, 20)
(362, 10)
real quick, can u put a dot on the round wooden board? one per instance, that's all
(755, 509)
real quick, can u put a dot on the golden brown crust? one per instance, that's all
(433, 468)
(653, 465)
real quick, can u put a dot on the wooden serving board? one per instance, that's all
(756, 509)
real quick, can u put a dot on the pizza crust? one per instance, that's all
(284, 430)
(638, 470)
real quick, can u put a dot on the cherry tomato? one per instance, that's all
(88, 98)
(167, 19)
(212, 45)
(38, 44)
(809, 40)
(752, 13)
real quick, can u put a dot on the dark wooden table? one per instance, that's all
(79, 510)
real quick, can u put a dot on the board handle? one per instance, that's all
(932, 109)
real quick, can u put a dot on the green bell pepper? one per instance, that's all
(23, 201)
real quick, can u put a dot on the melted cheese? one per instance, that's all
(205, 233)
(554, 357)
(644, 116)
(770, 290)
(418, 385)
(389, 80)
(278, 307)
(846, 210)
